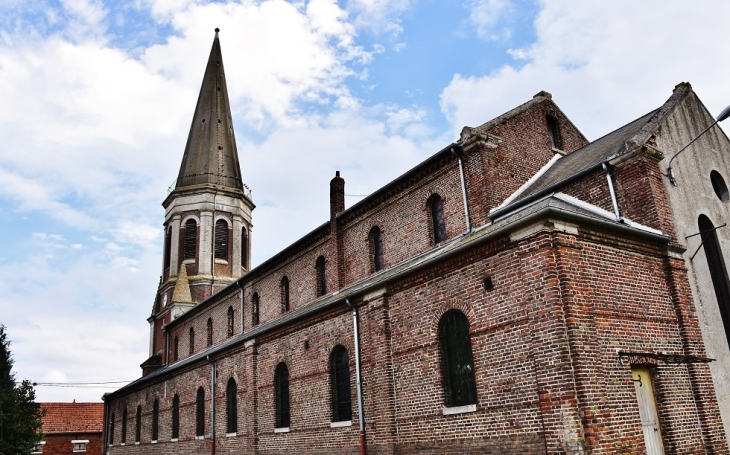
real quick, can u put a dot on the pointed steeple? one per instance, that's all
(210, 155)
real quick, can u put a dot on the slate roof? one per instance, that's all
(551, 205)
(211, 156)
(73, 418)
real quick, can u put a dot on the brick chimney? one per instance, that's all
(337, 205)
(337, 195)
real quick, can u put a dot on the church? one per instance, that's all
(521, 291)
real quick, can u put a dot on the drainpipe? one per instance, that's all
(212, 402)
(105, 431)
(238, 283)
(613, 194)
(360, 407)
(212, 247)
(463, 190)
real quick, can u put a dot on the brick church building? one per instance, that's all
(523, 290)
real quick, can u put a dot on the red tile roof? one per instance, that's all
(73, 417)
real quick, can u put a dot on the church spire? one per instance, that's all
(210, 155)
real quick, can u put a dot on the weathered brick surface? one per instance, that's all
(565, 299)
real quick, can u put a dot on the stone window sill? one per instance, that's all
(174, 440)
(199, 438)
(459, 409)
(344, 423)
(281, 430)
(230, 435)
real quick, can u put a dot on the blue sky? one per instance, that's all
(96, 98)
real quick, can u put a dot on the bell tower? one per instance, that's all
(207, 228)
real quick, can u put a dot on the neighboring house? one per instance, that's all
(520, 291)
(70, 428)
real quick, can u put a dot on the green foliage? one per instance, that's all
(20, 415)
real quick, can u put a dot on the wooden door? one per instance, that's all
(647, 410)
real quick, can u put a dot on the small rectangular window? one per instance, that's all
(38, 447)
(80, 445)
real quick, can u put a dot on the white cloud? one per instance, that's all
(379, 16)
(487, 17)
(605, 63)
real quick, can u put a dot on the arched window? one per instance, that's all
(200, 412)
(320, 267)
(175, 350)
(155, 420)
(718, 272)
(230, 321)
(284, 294)
(255, 309)
(436, 206)
(340, 384)
(168, 246)
(457, 363)
(192, 341)
(190, 246)
(281, 396)
(209, 329)
(221, 240)
(231, 408)
(124, 427)
(376, 249)
(556, 139)
(138, 424)
(176, 417)
(244, 248)
(111, 430)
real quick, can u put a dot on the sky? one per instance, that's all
(96, 99)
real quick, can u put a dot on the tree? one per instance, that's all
(20, 415)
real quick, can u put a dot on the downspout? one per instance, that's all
(105, 431)
(360, 407)
(238, 283)
(463, 190)
(212, 247)
(613, 194)
(212, 403)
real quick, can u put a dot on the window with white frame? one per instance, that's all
(38, 447)
(80, 445)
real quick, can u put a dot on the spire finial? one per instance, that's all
(216, 31)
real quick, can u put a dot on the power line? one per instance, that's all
(84, 385)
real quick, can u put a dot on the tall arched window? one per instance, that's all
(200, 412)
(281, 396)
(457, 363)
(556, 139)
(321, 270)
(138, 424)
(111, 430)
(190, 247)
(175, 350)
(255, 309)
(175, 417)
(340, 384)
(718, 272)
(209, 332)
(376, 249)
(244, 248)
(230, 321)
(221, 240)
(284, 294)
(192, 341)
(155, 420)
(124, 427)
(438, 224)
(168, 246)
(231, 407)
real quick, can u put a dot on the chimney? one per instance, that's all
(337, 195)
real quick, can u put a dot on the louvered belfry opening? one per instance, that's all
(168, 247)
(230, 321)
(191, 239)
(221, 240)
(209, 329)
(457, 362)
